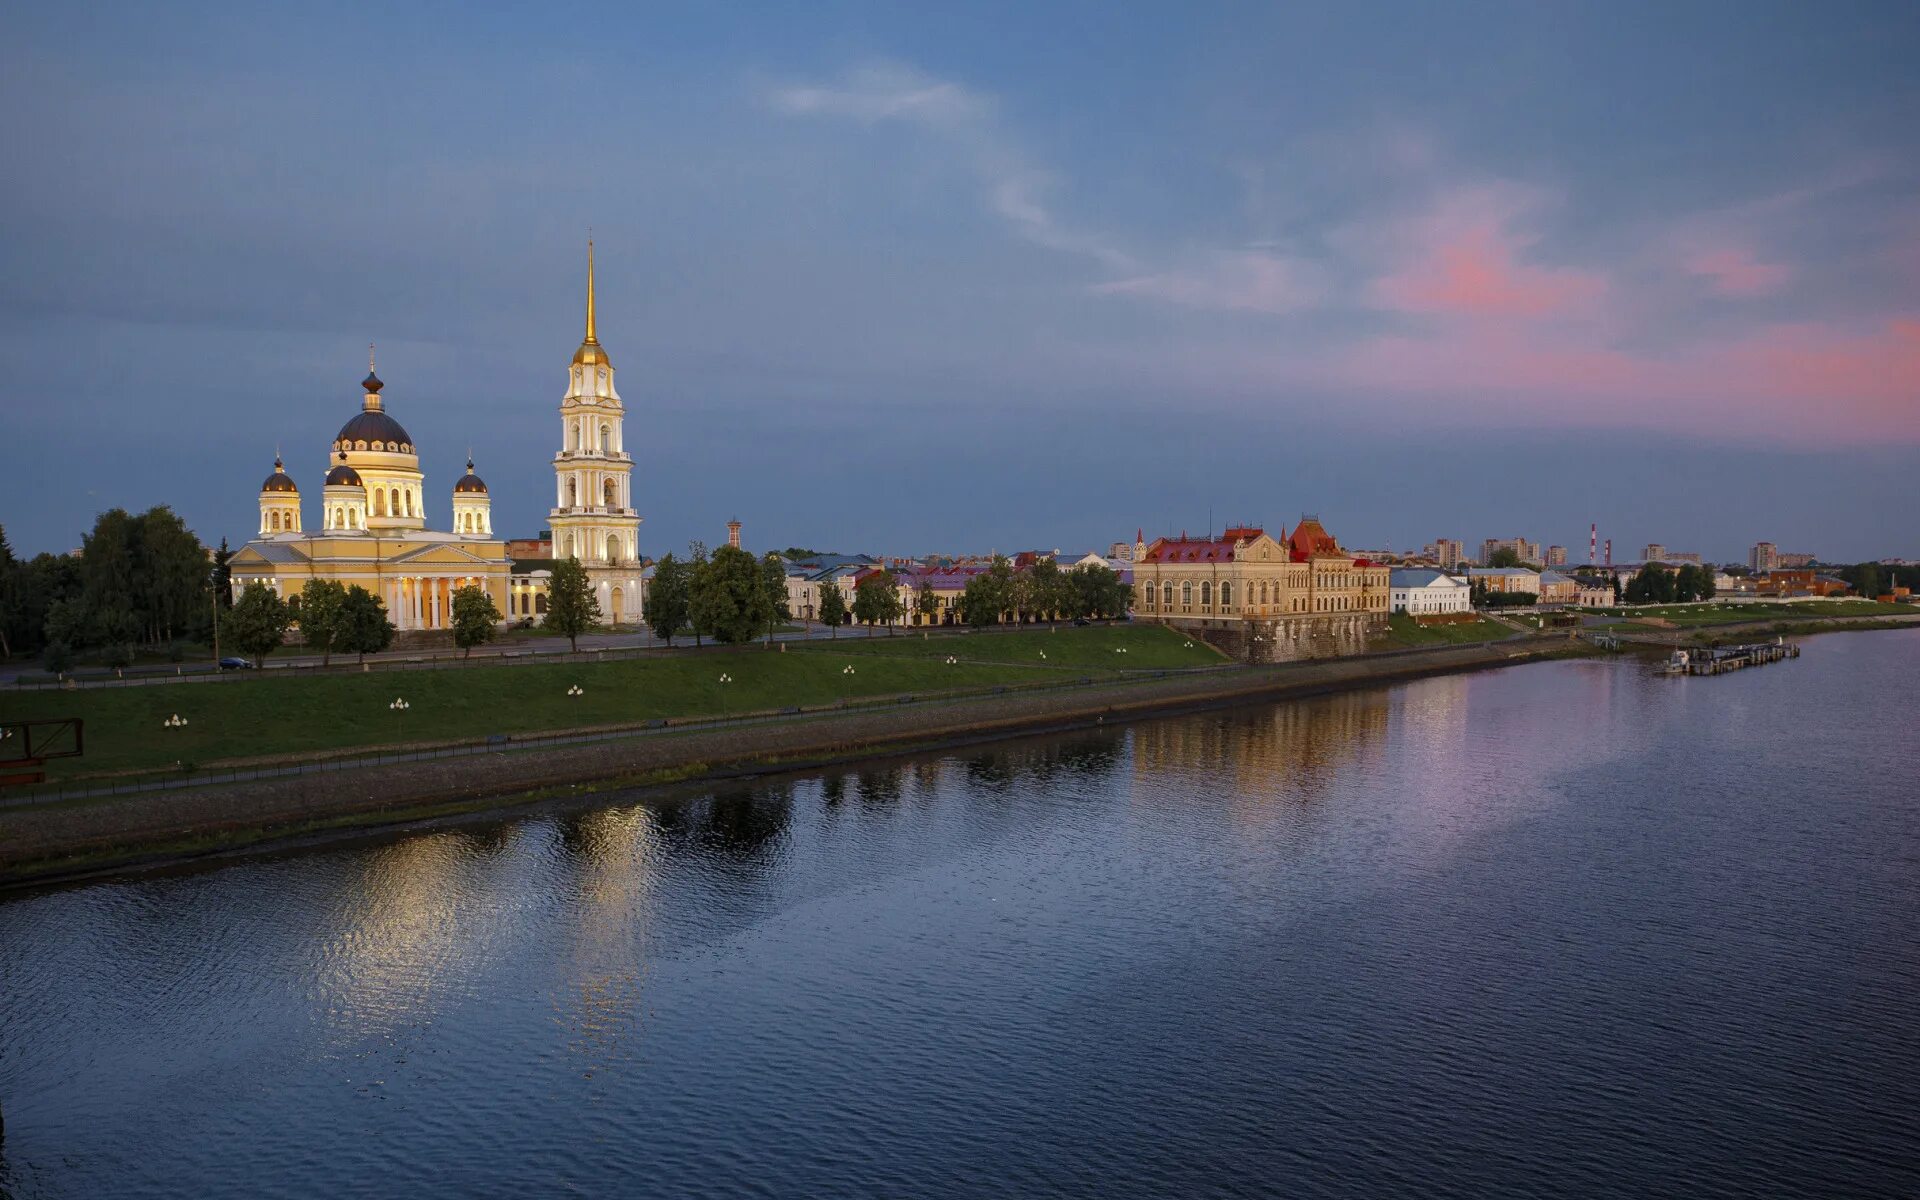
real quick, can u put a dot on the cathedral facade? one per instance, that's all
(373, 513)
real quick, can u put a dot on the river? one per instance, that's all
(1565, 929)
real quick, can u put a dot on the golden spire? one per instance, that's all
(591, 340)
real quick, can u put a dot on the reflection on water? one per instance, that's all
(1507, 934)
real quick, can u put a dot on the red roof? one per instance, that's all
(1189, 550)
(1309, 539)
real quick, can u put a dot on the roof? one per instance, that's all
(1498, 572)
(1187, 549)
(1404, 577)
(375, 428)
(1555, 577)
(1309, 538)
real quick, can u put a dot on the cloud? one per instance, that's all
(1246, 281)
(967, 121)
(1466, 257)
(1734, 271)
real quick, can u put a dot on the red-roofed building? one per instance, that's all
(1261, 598)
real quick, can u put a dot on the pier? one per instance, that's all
(1721, 659)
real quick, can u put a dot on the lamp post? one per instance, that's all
(399, 707)
(176, 721)
(576, 690)
(725, 680)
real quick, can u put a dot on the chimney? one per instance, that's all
(733, 534)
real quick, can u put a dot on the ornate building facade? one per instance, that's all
(1261, 598)
(373, 526)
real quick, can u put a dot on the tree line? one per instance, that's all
(139, 581)
(1656, 584)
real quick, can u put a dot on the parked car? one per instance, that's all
(235, 663)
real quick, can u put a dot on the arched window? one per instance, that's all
(571, 552)
(1166, 594)
(1186, 593)
(273, 520)
(1206, 594)
(613, 548)
(609, 489)
(1226, 595)
(606, 437)
(573, 493)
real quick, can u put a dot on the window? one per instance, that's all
(1166, 595)
(1226, 596)
(1186, 593)
(609, 490)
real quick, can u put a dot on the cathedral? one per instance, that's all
(373, 514)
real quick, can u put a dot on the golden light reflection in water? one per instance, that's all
(1288, 748)
(613, 854)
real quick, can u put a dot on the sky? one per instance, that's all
(912, 278)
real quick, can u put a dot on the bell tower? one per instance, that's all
(593, 517)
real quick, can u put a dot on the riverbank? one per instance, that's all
(70, 838)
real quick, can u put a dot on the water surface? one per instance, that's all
(1568, 929)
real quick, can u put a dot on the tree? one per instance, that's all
(259, 620)
(321, 604)
(364, 628)
(57, 657)
(475, 618)
(1866, 580)
(172, 574)
(926, 603)
(833, 606)
(988, 596)
(571, 607)
(221, 577)
(667, 598)
(10, 583)
(876, 599)
(1095, 590)
(729, 598)
(773, 584)
(1046, 590)
(696, 570)
(1505, 556)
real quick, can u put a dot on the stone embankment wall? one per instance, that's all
(1284, 639)
(57, 839)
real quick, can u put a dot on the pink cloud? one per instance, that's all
(1465, 259)
(1734, 271)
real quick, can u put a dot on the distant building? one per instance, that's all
(1793, 560)
(1589, 593)
(1506, 579)
(1422, 591)
(1655, 552)
(1764, 557)
(1801, 582)
(1526, 551)
(1556, 556)
(1450, 554)
(1556, 588)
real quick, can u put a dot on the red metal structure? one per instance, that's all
(25, 747)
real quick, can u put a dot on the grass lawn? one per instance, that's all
(1693, 615)
(1134, 647)
(282, 714)
(1404, 632)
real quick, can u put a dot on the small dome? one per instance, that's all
(470, 482)
(372, 382)
(591, 354)
(279, 481)
(343, 475)
(377, 430)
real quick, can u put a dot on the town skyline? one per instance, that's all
(839, 271)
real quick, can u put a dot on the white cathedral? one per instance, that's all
(373, 528)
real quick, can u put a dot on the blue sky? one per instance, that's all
(900, 280)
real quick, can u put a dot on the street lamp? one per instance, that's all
(576, 690)
(847, 670)
(399, 707)
(724, 680)
(176, 721)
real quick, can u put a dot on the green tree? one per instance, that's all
(729, 596)
(773, 585)
(696, 571)
(833, 606)
(926, 603)
(57, 657)
(11, 582)
(1096, 590)
(222, 575)
(571, 607)
(1865, 580)
(172, 574)
(476, 619)
(667, 598)
(321, 603)
(876, 599)
(364, 628)
(1046, 590)
(1505, 556)
(988, 596)
(258, 623)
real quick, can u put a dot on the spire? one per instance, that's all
(591, 339)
